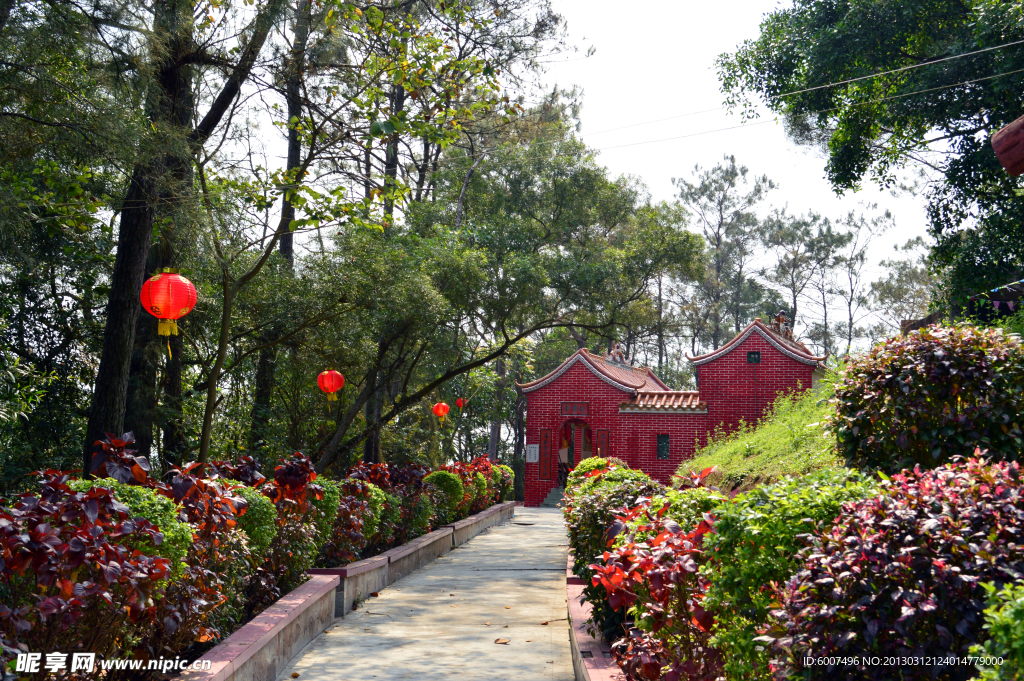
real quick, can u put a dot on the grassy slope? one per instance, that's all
(788, 441)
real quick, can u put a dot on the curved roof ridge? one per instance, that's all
(624, 377)
(792, 349)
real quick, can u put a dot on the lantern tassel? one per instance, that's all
(169, 348)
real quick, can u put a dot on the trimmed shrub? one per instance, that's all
(375, 511)
(655, 573)
(756, 542)
(685, 507)
(507, 487)
(422, 514)
(259, 522)
(68, 574)
(143, 502)
(294, 551)
(324, 510)
(448, 496)
(1004, 624)
(578, 475)
(347, 539)
(589, 516)
(900, 574)
(932, 394)
(484, 495)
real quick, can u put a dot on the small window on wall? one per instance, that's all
(754, 357)
(663, 446)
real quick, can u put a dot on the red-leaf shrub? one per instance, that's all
(246, 471)
(930, 395)
(210, 598)
(590, 514)
(474, 499)
(656, 572)
(116, 461)
(69, 584)
(900, 574)
(294, 550)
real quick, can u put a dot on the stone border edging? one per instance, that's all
(265, 646)
(261, 649)
(591, 657)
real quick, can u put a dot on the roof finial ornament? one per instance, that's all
(780, 325)
(616, 355)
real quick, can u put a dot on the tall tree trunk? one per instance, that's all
(123, 307)
(175, 109)
(263, 389)
(175, 444)
(266, 365)
(373, 410)
(149, 178)
(499, 385)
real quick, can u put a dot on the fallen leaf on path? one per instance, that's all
(451, 594)
(543, 623)
(508, 607)
(295, 675)
(374, 594)
(502, 641)
(506, 626)
(487, 624)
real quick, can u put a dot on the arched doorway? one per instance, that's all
(575, 442)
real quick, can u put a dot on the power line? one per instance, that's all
(451, 161)
(900, 70)
(809, 113)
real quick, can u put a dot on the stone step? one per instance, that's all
(553, 498)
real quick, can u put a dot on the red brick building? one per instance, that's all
(594, 406)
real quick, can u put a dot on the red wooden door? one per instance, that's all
(602, 444)
(545, 454)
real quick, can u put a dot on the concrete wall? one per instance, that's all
(417, 553)
(466, 529)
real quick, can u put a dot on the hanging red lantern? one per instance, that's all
(460, 403)
(330, 382)
(441, 409)
(168, 296)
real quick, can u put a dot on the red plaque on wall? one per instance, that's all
(602, 444)
(545, 454)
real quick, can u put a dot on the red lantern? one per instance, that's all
(460, 403)
(441, 409)
(168, 296)
(330, 382)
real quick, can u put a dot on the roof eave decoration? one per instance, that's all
(627, 408)
(792, 353)
(578, 356)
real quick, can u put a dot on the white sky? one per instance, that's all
(655, 59)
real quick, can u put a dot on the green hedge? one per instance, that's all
(143, 502)
(325, 510)
(756, 542)
(259, 522)
(371, 522)
(449, 495)
(1004, 623)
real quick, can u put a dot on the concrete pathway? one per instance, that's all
(441, 621)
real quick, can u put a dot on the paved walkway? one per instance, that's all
(441, 621)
